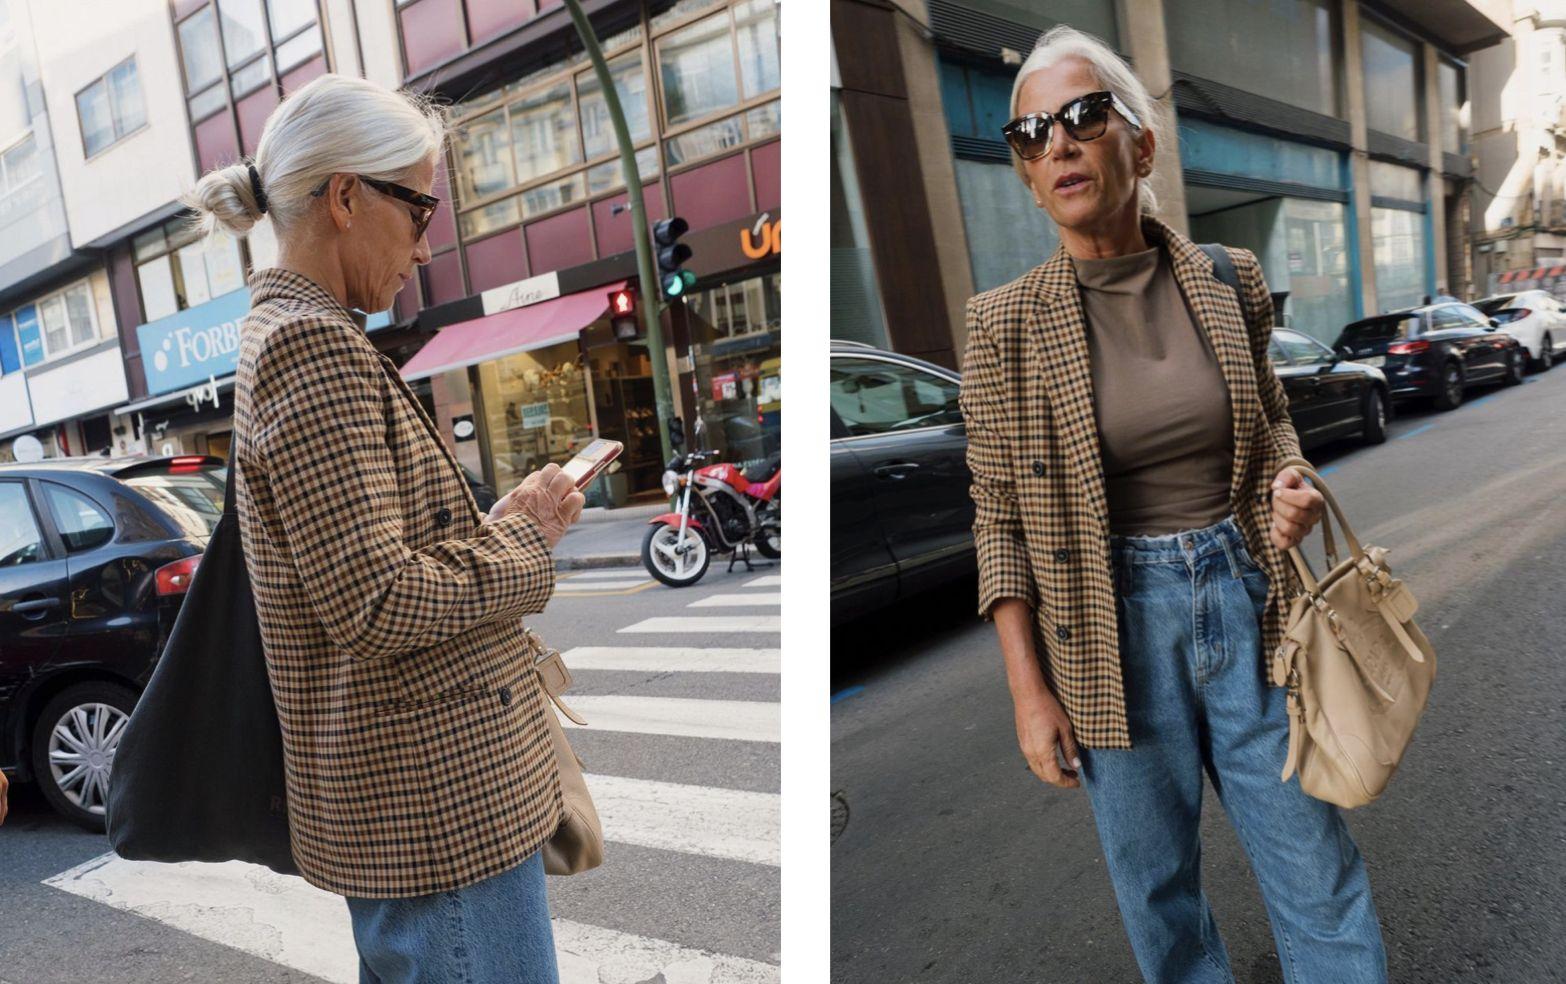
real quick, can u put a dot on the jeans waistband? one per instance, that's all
(1220, 537)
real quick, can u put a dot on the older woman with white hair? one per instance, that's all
(421, 776)
(1125, 435)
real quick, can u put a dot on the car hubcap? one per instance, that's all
(1453, 390)
(1381, 413)
(81, 753)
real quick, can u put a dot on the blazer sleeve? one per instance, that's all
(321, 437)
(1004, 570)
(1258, 319)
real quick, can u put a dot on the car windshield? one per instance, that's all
(191, 497)
(1507, 315)
(1379, 329)
(1490, 305)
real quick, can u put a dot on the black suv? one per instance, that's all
(1436, 351)
(96, 555)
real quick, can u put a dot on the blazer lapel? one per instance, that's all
(1058, 327)
(1216, 306)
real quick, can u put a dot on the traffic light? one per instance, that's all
(672, 254)
(622, 312)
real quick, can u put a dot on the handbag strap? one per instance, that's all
(228, 486)
(1355, 550)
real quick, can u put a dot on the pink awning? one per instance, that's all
(518, 330)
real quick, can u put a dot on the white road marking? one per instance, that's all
(742, 720)
(569, 587)
(289, 922)
(674, 659)
(767, 581)
(756, 598)
(715, 823)
(708, 623)
(604, 574)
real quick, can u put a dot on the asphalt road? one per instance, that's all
(956, 865)
(690, 884)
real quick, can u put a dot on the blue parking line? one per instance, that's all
(1416, 430)
(845, 694)
(1324, 472)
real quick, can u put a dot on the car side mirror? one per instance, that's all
(1494, 324)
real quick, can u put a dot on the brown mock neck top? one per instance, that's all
(1165, 433)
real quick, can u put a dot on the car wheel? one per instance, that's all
(1375, 417)
(74, 741)
(675, 564)
(1450, 395)
(1546, 353)
(1516, 366)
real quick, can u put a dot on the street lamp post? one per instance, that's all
(652, 290)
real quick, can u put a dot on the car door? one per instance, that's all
(1339, 388)
(864, 575)
(1493, 344)
(905, 426)
(1460, 336)
(1299, 384)
(34, 601)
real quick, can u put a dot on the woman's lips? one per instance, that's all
(1071, 189)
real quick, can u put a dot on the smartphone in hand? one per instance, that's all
(591, 461)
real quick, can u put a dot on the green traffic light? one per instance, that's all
(674, 285)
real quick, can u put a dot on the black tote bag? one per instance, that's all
(198, 775)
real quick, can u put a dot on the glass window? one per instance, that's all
(92, 108)
(20, 541)
(603, 177)
(1300, 350)
(130, 112)
(193, 500)
(225, 267)
(81, 523)
(206, 103)
(484, 164)
(52, 311)
(78, 310)
(1393, 181)
(288, 16)
(696, 66)
(199, 48)
(736, 355)
(193, 271)
(764, 121)
(252, 77)
(543, 133)
(536, 403)
(157, 289)
(1320, 302)
(756, 34)
(630, 84)
(1399, 242)
(875, 397)
(243, 31)
(855, 295)
(1449, 81)
(495, 215)
(680, 11)
(1282, 49)
(1381, 329)
(1391, 81)
(714, 138)
(555, 194)
(300, 49)
(20, 164)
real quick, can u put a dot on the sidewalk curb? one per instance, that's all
(597, 562)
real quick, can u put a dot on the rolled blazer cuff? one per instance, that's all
(535, 559)
(1004, 571)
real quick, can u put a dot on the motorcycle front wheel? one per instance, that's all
(666, 562)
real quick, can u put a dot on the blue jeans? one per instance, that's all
(496, 931)
(1189, 608)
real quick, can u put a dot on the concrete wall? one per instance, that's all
(78, 42)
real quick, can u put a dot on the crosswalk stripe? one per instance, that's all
(708, 623)
(674, 659)
(766, 581)
(606, 574)
(757, 599)
(287, 921)
(716, 823)
(688, 717)
(568, 587)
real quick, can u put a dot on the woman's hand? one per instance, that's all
(1042, 727)
(1295, 508)
(549, 497)
(4, 786)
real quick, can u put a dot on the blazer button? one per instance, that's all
(1062, 633)
(505, 696)
(1038, 468)
(443, 516)
(1062, 554)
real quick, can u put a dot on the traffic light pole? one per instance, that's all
(651, 289)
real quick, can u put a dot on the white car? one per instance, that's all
(1533, 317)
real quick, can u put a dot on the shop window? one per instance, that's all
(1450, 83)
(736, 355)
(177, 270)
(536, 409)
(1393, 181)
(1399, 238)
(111, 108)
(1320, 299)
(19, 165)
(1392, 81)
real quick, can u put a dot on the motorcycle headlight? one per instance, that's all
(671, 481)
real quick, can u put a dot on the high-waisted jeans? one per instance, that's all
(1189, 607)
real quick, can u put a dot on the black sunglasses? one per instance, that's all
(426, 203)
(1085, 118)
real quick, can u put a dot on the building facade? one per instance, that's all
(1328, 136)
(165, 90)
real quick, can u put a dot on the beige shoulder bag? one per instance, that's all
(1357, 668)
(578, 845)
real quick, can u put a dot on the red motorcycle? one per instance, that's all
(718, 509)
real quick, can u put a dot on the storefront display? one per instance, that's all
(536, 408)
(736, 348)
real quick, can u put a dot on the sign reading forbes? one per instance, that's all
(187, 347)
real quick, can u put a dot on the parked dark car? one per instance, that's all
(96, 555)
(902, 517)
(1329, 396)
(1435, 351)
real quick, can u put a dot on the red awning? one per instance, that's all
(518, 330)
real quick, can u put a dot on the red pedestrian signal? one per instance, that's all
(622, 312)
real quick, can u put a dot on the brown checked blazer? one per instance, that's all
(1041, 524)
(418, 755)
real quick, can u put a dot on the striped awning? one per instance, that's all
(1537, 273)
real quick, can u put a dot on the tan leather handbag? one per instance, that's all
(578, 845)
(1357, 668)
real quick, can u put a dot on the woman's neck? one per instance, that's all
(1119, 235)
(323, 271)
